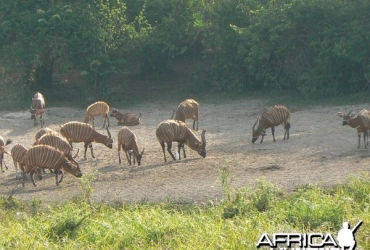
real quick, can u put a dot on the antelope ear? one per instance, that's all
(340, 114)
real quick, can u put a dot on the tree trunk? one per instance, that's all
(44, 71)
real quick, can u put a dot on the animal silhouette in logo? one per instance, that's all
(346, 236)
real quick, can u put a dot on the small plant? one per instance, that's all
(87, 189)
(264, 195)
(10, 203)
(235, 199)
(226, 182)
(35, 205)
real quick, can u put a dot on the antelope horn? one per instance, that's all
(75, 162)
(255, 124)
(78, 150)
(173, 113)
(204, 138)
(109, 135)
(142, 152)
(350, 110)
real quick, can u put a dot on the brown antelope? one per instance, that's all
(58, 142)
(360, 121)
(82, 132)
(2, 151)
(272, 117)
(45, 156)
(96, 109)
(128, 142)
(126, 119)
(188, 109)
(37, 108)
(172, 130)
(18, 152)
(43, 131)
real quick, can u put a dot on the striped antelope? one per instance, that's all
(43, 131)
(37, 108)
(172, 130)
(272, 117)
(45, 156)
(96, 109)
(18, 152)
(82, 132)
(58, 142)
(188, 109)
(128, 142)
(126, 119)
(360, 121)
(2, 151)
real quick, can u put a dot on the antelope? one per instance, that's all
(126, 119)
(360, 121)
(172, 130)
(45, 156)
(274, 116)
(81, 132)
(2, 151)
(128, 142)
(18, 152)
(95, 109)
(43, 131)
(37, 108)
(58, 142)
(40, 133)
(188, 109)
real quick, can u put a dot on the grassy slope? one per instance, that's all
(235, 223)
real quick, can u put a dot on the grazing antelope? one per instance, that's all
(82, 132)
(2, 151)
(128, 142)
(272, 117)
(126, 119)
(43, 131)
(37, 108)
(360, 121)
(95, 109)
(18, 152)
(172, 130)
(45, 156)
(58, 142)
(188, 109)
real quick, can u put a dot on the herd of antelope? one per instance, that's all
(53, 149)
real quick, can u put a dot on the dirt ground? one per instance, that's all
(320, 151)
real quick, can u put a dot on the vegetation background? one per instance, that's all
(83, 51)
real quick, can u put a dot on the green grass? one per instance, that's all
(236, 222)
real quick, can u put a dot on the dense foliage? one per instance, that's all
(236, 222)
(314, 47)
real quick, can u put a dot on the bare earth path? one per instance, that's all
(320, 151)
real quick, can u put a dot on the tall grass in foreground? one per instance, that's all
(235, 223)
